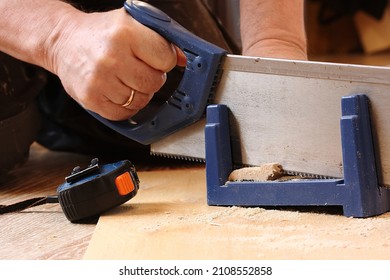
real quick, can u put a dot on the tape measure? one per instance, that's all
(88, 192)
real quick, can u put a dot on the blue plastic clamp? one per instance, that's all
(358, 192)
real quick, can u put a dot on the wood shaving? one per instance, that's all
(265, 172)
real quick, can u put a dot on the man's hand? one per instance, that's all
(101, 57)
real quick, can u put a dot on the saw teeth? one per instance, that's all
(178, 157)
(202, 160)
(307, 175)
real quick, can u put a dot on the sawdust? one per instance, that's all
(220, 217)
(264, 233)
(223, 215)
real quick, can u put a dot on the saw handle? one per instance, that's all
(188, 102)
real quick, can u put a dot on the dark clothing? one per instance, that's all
(20, 83)
(65, 125)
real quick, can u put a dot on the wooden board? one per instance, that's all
(289, 112)
(169, 219)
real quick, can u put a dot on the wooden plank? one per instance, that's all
(169, 219)
(289, 112)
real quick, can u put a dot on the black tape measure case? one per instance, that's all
(91, 191)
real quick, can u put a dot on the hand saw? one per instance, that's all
(281, 110)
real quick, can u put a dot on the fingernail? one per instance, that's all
(173, 48)
(164, 77)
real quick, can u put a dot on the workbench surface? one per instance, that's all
(169, 219)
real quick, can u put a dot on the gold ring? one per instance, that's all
(131, 98)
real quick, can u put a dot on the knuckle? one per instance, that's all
(151, 83)
(168, 59)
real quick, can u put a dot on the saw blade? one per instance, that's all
(289, 112)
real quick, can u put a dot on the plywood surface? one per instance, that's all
(169, 219)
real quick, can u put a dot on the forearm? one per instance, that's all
(31, 28)
(99, 57)
(273, 28)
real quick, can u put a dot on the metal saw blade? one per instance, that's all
(289, 112)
